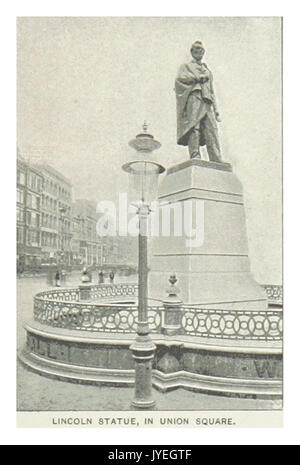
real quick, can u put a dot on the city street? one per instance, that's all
(35, 392)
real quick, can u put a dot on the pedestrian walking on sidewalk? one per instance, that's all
(85, 278)
(100, 277)
(111, 277)
(57, 279)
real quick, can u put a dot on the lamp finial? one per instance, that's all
(145, 127)
(144, 142)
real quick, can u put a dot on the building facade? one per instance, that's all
(29, 191)
(86, 241)
(121, 250)
(56, 216)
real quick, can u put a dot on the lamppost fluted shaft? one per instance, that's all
(143, 259)
(143, 347)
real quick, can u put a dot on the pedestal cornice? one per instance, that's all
(201, 163)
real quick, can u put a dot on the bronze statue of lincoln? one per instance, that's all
(197, 113)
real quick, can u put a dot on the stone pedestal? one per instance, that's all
(215, 272)
(171, 324)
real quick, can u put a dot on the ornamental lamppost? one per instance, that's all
(144, 174)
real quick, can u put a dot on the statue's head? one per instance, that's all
(197, 50)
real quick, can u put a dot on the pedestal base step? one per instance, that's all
(253, 388)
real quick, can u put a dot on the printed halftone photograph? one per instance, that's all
(149, 215)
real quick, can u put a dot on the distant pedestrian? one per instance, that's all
(100, 277)
(57, 279)
(111, 277)
(85, 277)
(63, 277)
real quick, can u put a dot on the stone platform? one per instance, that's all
(214, 273)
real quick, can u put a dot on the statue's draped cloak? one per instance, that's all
(191, 111)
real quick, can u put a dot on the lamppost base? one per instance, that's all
(142, 351)
(143, 405)
(143, 348)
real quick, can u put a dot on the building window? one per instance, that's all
(33, 219)
(20, 214)
(28, 218)
(21, 178)
(33, 238)
(20, 235)
(33, 182)
(20, 196)
(34, 201)
(29, 200)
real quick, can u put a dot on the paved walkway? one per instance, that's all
(36, 392)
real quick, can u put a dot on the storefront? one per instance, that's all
(28, 258)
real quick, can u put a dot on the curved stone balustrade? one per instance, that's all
(266, 326)
(91, 317)
(64, 295)
(64, 310)
(84, 335)
(101, 291)
(98, 291)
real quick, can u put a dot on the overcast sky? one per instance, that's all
(85, 86)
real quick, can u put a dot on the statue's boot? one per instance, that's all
(194, 142)
(210, 132)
